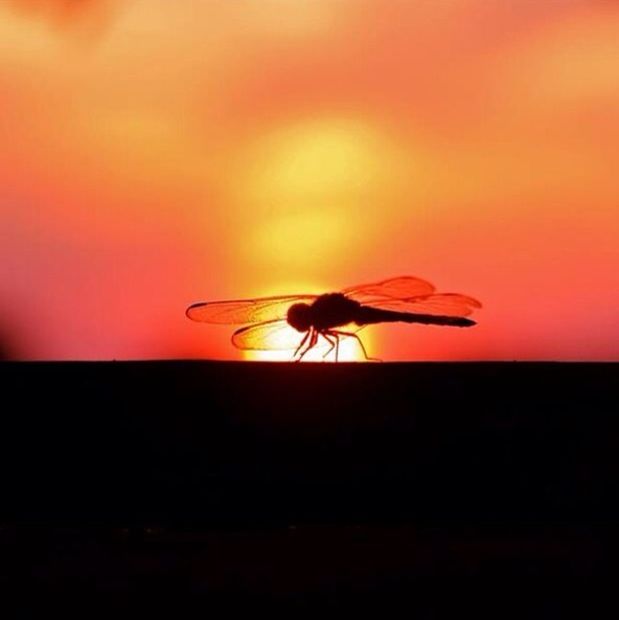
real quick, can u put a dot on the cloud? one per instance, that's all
(69, 13)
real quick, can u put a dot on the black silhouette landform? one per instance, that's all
(299, 479)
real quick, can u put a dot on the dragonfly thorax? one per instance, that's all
(328, 311)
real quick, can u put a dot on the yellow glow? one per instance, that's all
(302, 238)
(308, 186)
(314, 161)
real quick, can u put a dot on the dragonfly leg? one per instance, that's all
(353, 335)
(303, 341)
(333, 343)
(310, 344)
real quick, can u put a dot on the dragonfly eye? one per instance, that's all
(299, 317)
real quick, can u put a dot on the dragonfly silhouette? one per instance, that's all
(333, 316)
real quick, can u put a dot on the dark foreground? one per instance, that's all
(262, 480)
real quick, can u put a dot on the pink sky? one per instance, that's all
(156, 153)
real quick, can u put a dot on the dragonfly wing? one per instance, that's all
(441, 304)
(402, 287)
(268, 336)
(241, 311)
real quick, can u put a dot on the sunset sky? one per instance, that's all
(157, 153)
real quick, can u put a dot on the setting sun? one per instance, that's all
(349, 350)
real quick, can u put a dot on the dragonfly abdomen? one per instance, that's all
(367, 316)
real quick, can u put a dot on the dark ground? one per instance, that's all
(254, 481)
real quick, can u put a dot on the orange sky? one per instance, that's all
(156, 153)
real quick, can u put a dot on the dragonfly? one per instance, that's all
(331, 317)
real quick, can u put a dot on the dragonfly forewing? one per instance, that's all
(393, 288)
(240, 311)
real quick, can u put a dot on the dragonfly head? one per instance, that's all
(299, 316)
